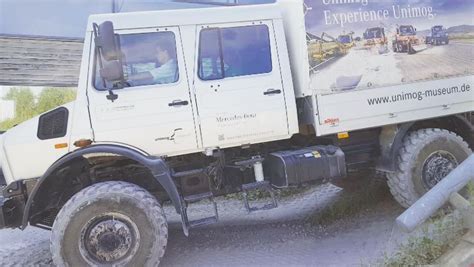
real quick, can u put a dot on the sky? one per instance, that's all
(447, 12)
(68, 18)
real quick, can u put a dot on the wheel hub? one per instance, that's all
(109, 239)
(437, 166)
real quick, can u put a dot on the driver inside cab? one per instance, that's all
(165, 71)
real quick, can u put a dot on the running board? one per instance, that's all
(265, 186)
(203, 221)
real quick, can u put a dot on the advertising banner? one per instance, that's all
(363, 44)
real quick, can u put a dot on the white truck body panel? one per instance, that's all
(363, 85)
(25, 156)
(351, 111)
(141, 115)
(221, 112)
(295, 32)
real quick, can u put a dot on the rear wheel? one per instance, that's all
(111, 223)
(426, 157)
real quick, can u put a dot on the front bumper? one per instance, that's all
(12, 204)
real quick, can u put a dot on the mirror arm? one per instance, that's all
(97, 50)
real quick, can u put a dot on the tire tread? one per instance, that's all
(147, 202)
(400, 184)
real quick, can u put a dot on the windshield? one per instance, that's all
(437, 29)
(345, 39)
(407, 30)
(373, 33)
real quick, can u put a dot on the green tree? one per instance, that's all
(24, 102)
(26, 107)
(53, 97)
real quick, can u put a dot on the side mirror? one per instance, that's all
(112, 71)
(106, 41)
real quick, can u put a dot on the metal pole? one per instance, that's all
(434, 199)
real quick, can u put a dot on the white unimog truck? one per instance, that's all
(185, 105)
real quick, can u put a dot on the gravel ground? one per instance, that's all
(278, 237)
(437, 61)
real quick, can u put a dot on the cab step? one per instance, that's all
(203, 221)
(265, 186)
(198, 197)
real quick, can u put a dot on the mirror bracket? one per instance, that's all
(112, 96)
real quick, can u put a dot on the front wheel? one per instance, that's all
(112, 224)
(426, 157)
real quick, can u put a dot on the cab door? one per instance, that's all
(238, 85)
(154, 115)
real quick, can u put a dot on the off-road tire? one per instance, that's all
(406, 183)
(410, 49)
(123, 199)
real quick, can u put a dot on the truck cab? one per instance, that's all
(195, 106)
(406, 40)
(438, 35)
(374, 36)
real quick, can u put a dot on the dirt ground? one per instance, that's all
(280, 237)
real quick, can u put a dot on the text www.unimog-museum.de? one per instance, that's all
(419, 95)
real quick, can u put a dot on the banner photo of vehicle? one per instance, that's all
(363, 44)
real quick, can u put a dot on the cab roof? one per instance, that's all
(191, 16)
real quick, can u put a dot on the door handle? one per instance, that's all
(177, 103)
(272, 92)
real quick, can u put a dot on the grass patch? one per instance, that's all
(470, 192)
(369, 193)
(439, 235)
(436, 238)
(262, 194)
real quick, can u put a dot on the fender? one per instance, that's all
(156, 165)
(391, 140)
(466, 123)
(391, 137)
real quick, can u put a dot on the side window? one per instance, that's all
(147, 59)
(235, 51)
(210, 55)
